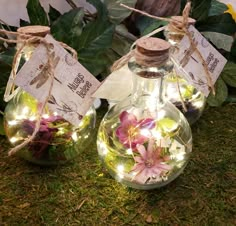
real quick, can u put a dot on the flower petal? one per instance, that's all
(129, 118)
(142, 150)
(147, 123)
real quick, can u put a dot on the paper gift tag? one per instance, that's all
(73, 85)
(117, 86)
(192, 64)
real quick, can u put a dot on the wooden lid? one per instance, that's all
(152, 46)
(35, 30)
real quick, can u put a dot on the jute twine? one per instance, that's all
(181, 26)
(10, 92)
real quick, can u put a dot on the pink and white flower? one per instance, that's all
(150, 164)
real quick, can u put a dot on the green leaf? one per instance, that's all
(116, 12)
(7, 56)
(24, 23)
(2, 132)
(222, 24)
(232, 56)
(147, 25)
(217, 8)
(96, 64)
(2, 102)
(68, 27)
(6, 59)
(120, 43)
(200, 9)
(53, 14)
(221, 41)
(101, 9)
(95, 40)
(36, 13)
(229, 74)
(221, 94)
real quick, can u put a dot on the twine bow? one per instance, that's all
(10, 92)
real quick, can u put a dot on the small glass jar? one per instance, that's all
(57, 141)
(145, 141)
(184, 96)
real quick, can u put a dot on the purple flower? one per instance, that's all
(44, 136)
(128, 132)
(149, 164)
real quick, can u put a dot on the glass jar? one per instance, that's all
(57, 140)
(145, 141)
(184, 96)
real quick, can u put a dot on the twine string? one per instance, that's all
(10, 91)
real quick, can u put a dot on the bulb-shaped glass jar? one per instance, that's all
(57, 140)
(184, 96)
(145, 141)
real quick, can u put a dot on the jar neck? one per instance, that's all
(148, 84)
(173, 36)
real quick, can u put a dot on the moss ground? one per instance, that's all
(83, 193)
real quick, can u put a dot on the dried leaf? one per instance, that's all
(24, 205)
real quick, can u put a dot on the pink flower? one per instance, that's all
(128, 132)
(149, 164)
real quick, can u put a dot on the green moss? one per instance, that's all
(83, 193)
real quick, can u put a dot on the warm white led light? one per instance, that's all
(46, 116)
(12, 123)
(14, 139)
(129, 151)
(120, 168)
(74, 136)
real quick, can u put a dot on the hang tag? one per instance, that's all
(72, 87)
(191, 63)
(117, 86)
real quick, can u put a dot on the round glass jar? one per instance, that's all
(183, 95)
(57, 141)
(145, 141)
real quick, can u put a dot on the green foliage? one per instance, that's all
(216, 38)
(223, 23)
(24, 23)
(229, 74)
(217, 8)
(147, 25)
(200, 9)
(221, 94)
(95, 39)
(53, 14)
(2, 132)
(117, 13)
(232, 55)
(36, 13)
(6, 59)
(72, 20)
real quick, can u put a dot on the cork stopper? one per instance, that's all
(36, 30)
(151, 51)
(152, 46)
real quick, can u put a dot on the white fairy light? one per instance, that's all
(32, 118)
(74, 136)
(129, 151)
(25, 111)
(14, 139)
(120, 168)
(12, 123)
(45, 116)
